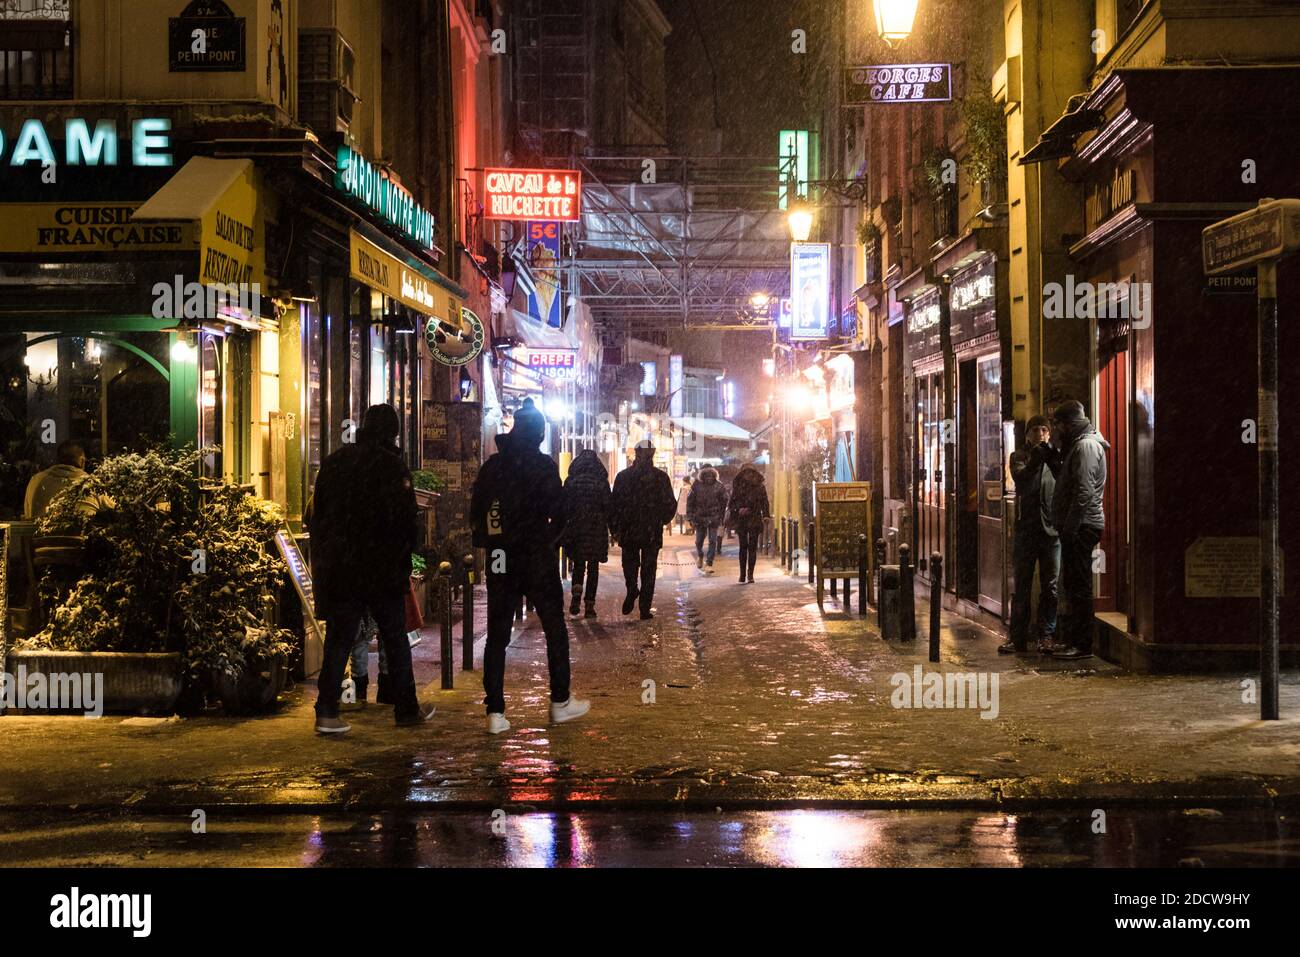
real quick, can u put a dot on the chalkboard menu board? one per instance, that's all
(842, 512)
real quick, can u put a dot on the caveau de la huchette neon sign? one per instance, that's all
(149, 141)
(532, 194)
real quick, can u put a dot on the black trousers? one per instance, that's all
(535, 576)
(749, 536)
(1042, 551)
(641, 562)
(344, 623)
(590, 572)
(1076, 585)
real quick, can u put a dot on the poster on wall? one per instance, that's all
(544, 299)
(810, 290)
(206, 38)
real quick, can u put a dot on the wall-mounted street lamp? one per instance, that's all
(894, 19)
(800, 219)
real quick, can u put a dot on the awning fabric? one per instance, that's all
(200, 185)
(712, 428)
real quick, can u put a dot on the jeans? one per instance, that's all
(1076, 585)
(361, 657)
(641, 561)
(536, 576)
(590, 572)
(715, 545)
(1043, 552)
(749, 536)
(344, 619)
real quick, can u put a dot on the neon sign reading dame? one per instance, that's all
(357, 177)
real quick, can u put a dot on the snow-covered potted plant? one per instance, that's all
(428, 486)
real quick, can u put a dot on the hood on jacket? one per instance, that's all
(588, 462)
(749, 476)
(708, 475)
(1091, 432)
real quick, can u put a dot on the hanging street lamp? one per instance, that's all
(894, 19)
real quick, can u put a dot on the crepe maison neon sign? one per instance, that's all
(533, 194)
(358, 178)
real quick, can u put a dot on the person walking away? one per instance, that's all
(1079, 519)
(642, 504)
(1036, 544)
(683, 498)
(746, 512)
(706, 507)
(585, 506)
(363, 531)
(516, 515)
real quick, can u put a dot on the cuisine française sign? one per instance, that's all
(898, 83)
(533, 194)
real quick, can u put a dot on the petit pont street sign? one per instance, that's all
(1270, 230)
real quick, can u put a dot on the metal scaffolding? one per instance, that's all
(679, 240)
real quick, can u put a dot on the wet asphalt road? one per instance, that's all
(1196, 837)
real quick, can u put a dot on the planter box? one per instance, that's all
(426, 499)
(133, 683)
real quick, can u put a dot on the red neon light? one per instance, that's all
(545, 194)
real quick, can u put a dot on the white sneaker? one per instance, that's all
(573, 708)
(497, 723)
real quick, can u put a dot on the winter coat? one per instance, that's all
(748, 493)
(1076, 500)
(1031, 469)
(515, 504)
(642, 503)
(585, 505)
(706, 506)
(362, 524)
(45, 486)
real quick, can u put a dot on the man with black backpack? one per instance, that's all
(641, 505)
(517, 517)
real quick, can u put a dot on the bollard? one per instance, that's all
(780, 541)
(862, 575)
(936, 602)
(444, 577)
(848, 598)
(811, 553)
(889, 602)
(906, 594)
(467, 616)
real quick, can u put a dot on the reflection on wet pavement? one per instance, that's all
(797, 838)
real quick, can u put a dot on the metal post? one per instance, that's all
(862, 575)
(780, 544)
(906, 595)
(444, 581)
(936, 602)
(848, 598)
(880, 563)
(810, 551)
(467, 616)
(1268, 435)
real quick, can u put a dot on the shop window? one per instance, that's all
(314, 339)
(989, 416)
(35, 50)
(210, 406)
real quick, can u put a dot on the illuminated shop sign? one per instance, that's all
(149, 141)
(551, 194)
(924, 317)
(898, 83)
(973, 292)
(361, 180)
(810, 290)
(553, 363)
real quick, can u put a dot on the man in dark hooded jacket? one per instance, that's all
(1078, 517)
(1036, 542)
(363, 530)
(706, 507)
(516, 512)
(746, 513)
(642, 504)
(586, 526)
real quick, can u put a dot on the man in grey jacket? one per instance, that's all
(1036, 543)
(1078, 517)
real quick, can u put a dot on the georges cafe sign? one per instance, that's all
(393, 203)
(540, 194)
(898, 83)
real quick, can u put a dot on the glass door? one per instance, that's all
(989, 466)
(930, 511)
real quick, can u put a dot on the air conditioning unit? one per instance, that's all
(326, 85)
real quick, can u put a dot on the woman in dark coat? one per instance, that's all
(585, 506)
(746, 511)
